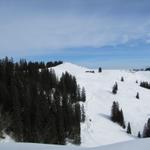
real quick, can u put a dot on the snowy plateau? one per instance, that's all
(98, 130)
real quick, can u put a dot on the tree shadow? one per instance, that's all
(105, 116)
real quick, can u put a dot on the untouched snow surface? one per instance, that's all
(98, 129)
(131, 145)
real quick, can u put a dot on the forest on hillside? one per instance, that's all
(36, 106)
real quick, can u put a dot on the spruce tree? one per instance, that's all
(122, 79)
(121, 119)
(83, 95)
(115, 112)
(117, 115)
(129, 128)
(99, 69)
(139, 134)
(137, 95)
(82, 113)
(146, 131)
(115, 88)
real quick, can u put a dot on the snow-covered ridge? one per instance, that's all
(98, 129)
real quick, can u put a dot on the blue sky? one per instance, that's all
(107, 33)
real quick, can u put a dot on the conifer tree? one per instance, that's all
(137, 95)
(117, 115)
(115, 88)
(115, 112)
(99, 69)
(129, 128)
(122, 79)
(121, 119)
(82, 113)
(146, 131)
(83, 95)
(139, 134)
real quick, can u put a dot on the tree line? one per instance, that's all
(36, 106)
(145, 84)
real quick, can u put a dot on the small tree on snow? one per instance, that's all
(129, 128)
(99, 69)
(115, 88)
(139, 134)
(121, 119)
(122, 79)
(115, 112)
(137, 95)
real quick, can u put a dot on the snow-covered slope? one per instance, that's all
(98, 129)
(132, 145)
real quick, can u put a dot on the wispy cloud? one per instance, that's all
(51, 26)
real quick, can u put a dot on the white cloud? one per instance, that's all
(53, 33)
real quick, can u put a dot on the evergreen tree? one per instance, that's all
(115, 88)
(129, 128)
(137, 95)
(139, 134)
(115, 112)
(17, 121)
(122, 79)
(121, 119)
(77, 138)
(117, 115)
(99, 69)
(146, 131)
(82, 113)
(83, 95)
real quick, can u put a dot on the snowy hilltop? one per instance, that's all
(98, 129)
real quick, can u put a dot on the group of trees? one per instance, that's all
(117, 114)
(115, 88)
(145, 84)
(118, 117)
(37, 107)
(146, 131)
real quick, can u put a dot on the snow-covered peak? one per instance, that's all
(71, 68)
